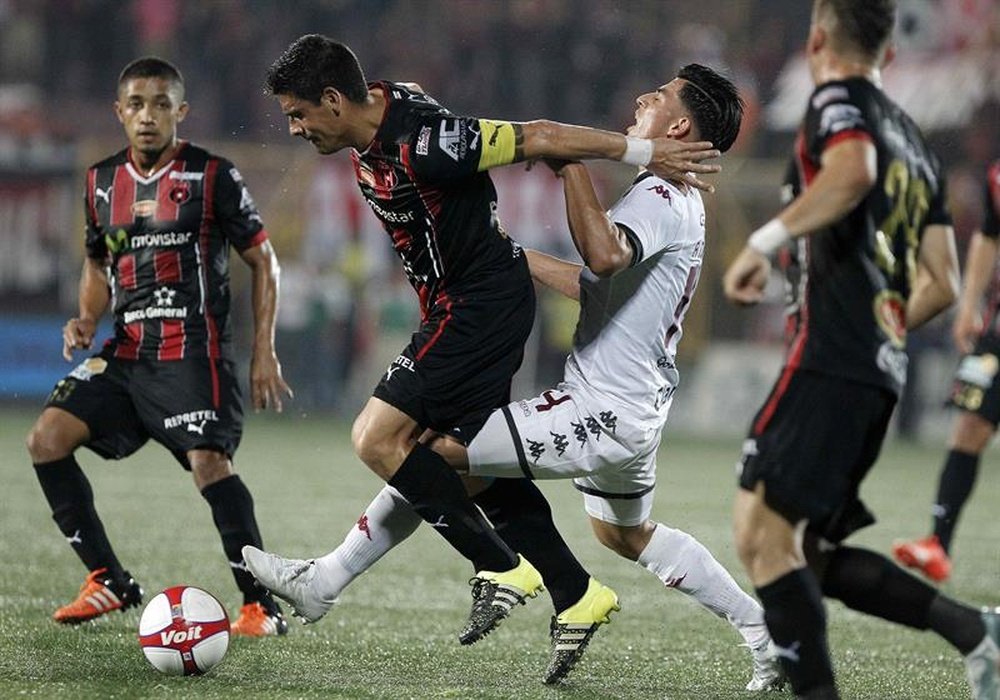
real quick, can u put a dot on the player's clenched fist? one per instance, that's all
(746, 277)
(78, 334)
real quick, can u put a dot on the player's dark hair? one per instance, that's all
(865, 25)
(151, 67)
(314, 62)
(714, 102)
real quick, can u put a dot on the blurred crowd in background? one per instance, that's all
(579, 61)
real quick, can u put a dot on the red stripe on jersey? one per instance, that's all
(125, 270)
(440, 329)
(128, 348)
(168, 265)
(807, 168)
(207, 219)
(122, 197)
(795, 353)
(171, 340)
(849, 135)
(170, 194)
(92, 195)
(431, 198)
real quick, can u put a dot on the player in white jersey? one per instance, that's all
(601, 425)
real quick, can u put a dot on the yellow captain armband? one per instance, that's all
(498, 144)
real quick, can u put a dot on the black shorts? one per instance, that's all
(976, 388)
(182, 404)
(458, 366)
(811, 444)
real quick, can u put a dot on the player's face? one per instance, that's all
(656, 112)
(150, 110)
(316, 123)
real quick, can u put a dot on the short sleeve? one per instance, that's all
(835, 114)
(235, 210)
(937, 211)
(94, 241)
(647, 213)
(448, 147)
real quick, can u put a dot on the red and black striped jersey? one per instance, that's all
(847, 310)
(991, 229)
(165, 239)
(424, 176)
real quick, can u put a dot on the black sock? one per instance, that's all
(958, 624)
(954, 487)
(436, 492)
(522, 517)
(72, 502)
(868, 582)
(232, 511)
(796, 619)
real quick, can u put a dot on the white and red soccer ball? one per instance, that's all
(184, 631)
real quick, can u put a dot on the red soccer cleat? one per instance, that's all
(256, 621)
(925, 554)
(98, 595)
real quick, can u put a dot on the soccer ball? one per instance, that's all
(184, 631)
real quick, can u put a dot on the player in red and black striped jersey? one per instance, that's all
(423, 171)
(975, 391)
(875, 257)
(162, 215)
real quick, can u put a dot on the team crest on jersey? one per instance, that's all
(180, 192)
(144, 208)
(890, 314)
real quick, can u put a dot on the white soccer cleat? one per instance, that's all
(982, 666)
(292, 580)
(767, 672)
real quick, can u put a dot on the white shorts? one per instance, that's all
(570, 433)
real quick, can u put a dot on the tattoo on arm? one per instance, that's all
(518, 143)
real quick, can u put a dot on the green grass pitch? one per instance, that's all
(394, 633)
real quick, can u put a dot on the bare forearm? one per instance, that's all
(979, 264)
(928, 298)
(827, 200)
(547, 139)
(598, 240)
(560, 275)
(94, 292)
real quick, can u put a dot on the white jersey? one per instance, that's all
(630, 323)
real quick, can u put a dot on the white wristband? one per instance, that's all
(637, 151)
(769, 237)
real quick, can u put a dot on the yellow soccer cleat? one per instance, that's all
(572, 629)
(494, 594)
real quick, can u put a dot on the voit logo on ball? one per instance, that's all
(184, 631)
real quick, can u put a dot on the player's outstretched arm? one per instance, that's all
(848, 172)
(979, 264)
(669, 158)
(560, 275)
(95, 295)
(601, 243)
(936, 284)
(266, 383)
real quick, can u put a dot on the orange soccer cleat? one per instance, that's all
(98, 595)
(257, 621)
(925, 554)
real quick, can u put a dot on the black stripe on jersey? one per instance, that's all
(634, 243)
(607, 494)
(516, 436)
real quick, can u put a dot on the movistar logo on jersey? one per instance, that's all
(116, 242)
(165, 238)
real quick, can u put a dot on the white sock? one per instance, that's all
(682, 562)
(388, 520)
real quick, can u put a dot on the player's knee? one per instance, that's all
(971, 434)
(373, 446)
(747, 543)
(208, 467)
(627, 542)
(46, 443)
